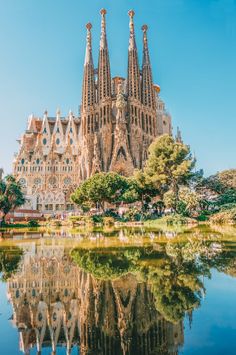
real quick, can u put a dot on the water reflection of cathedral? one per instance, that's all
(57, 304)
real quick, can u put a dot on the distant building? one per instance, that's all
(118, 120)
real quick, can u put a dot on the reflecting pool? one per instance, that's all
(123, 291)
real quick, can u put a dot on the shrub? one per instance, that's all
(224, 217)
(176, 219)
(81, 220)
(133, 214)
(227, 206)
(203, 217)
(108, 221)
(33, 224)
(111, 213)
(97, 218)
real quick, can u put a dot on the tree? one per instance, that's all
(190, 198)
(220, 188)
(139, 189)
(169, 199)
(11, 195)
(100, 188)
(185, 203)
(169, 165)
(227, 179)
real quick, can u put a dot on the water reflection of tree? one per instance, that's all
(107, 264)
(9, 261)
(174, 271)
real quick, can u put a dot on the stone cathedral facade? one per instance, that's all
(118, 119)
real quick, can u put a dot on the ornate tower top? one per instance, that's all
(145, 45)
(103, 40)
(88, 52)
(104, 74)
(133, 65)
(132, 43)
(88, 95)
(144, 28)
(103, 11)
(178, 136)
(148, 93)
(89, 26)
(131, 13)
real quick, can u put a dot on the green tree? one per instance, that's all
(11, 195)
(185, 203)
(169, 165)
(190, 198)
(169, 199)
(139, 189)
(100, 188)
(220, 188)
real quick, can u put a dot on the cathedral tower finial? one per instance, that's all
(88, 95)
(133, 82)
(145, 45)
(148, 94)
(132, 43)
(104, 73)
(103, 40)
(178, 136)
(88, 52)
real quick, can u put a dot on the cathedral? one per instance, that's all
(118, 119)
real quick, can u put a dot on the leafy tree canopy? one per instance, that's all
(222, 184)
(139, 189)
(100, 188)
(169, 165)
(11, 195)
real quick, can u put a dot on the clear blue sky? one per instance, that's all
(193, 53)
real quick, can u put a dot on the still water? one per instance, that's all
(131, 291)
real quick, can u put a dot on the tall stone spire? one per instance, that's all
(133, 82)
(178, 137)
(148, 96)
(104, 72)
(88, 95)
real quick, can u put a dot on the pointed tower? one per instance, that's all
(148, 94)
(88, 91)
(88, 94)
(149, 112)
(104, 108)
(88, 110)
(104, 72)
(178, 137)
(133, 81)
(134, 97)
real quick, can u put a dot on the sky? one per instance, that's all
(193, 54)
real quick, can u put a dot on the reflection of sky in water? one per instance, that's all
(213, 325)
